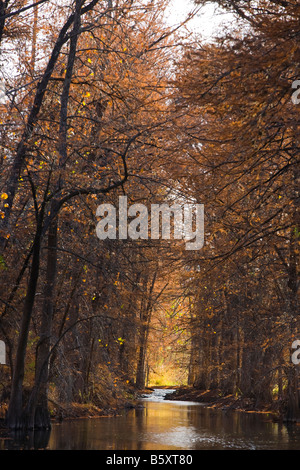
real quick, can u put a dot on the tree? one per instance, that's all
(96, 127)
(241, 139)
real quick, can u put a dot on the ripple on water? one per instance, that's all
(159, 394)
(189, 438)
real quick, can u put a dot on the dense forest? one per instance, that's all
(104, 99)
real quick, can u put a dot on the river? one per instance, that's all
(161, 424)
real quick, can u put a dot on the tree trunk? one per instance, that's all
(15, 418)
(37, 408)
(140, 374)
(293, 409)
(145, 316)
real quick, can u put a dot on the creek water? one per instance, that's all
(162, 424)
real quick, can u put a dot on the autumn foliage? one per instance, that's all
(105, 99)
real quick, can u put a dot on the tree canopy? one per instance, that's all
(106, 99)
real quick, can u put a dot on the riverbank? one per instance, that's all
(214, 399)
(113, 406)
(74, 412)
(109, 405)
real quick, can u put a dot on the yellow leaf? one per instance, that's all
(4, 196)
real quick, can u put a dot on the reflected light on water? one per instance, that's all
(166, 425)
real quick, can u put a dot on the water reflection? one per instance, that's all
(31, 440)
(166, 425)
(169, 425)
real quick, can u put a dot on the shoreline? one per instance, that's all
(212, 399)
(215, 400)
(74, 411)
